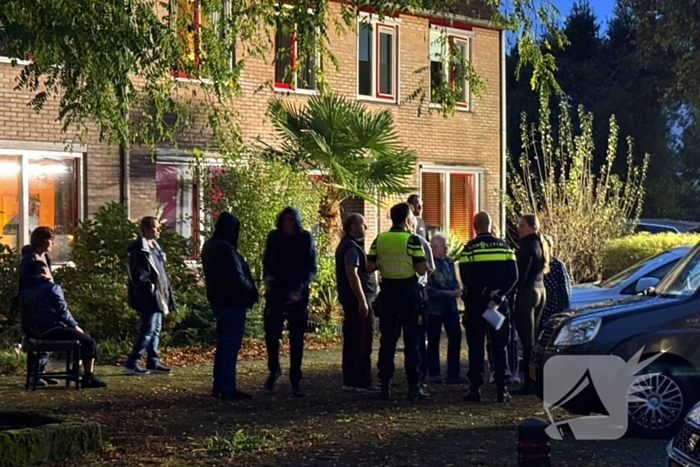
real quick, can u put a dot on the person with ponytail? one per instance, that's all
(533, 259)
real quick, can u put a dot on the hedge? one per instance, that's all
(624, 252)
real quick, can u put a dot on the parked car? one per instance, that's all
(684, 450)
(666, 225)
(633, 280)
(666, 320)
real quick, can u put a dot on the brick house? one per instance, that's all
(461, 158)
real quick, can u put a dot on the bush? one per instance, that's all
(624, 252)
(9, 260)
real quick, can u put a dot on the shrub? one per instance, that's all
(9, 260)
(624, 252)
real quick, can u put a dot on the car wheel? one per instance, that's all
(657, 406)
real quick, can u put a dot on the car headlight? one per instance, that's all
(578, 332)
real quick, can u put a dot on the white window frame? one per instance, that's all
(24, 155)
(377, 27)
(295, 89)
(447, 170)
(453, 35)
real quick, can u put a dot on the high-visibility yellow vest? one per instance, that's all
(393, 259)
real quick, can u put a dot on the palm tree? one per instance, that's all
(356, 152)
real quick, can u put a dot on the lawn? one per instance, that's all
(172, 421)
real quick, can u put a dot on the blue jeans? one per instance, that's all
(147, 339)
(450, 319)
(230, 324)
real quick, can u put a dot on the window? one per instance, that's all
(449, 69)
(50, 197)
(290, 72)
(450, 200)
(377, 58)
(188, 20)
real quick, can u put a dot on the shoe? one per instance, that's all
(456, 380)
(349, 388)
(502, 396)
(369, 388)
(436, 379)
(297, 390)
(492, 377)
(135, 369)
(235, 396)
(385, 391)
(272, 379)
(472, 396)
(416, 392)
(515, 379)
(92, 381)
(52, 381)
(40, 382)
(160, 369)
(525, 389)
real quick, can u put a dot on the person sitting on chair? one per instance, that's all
(53, 321)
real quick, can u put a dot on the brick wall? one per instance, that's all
(467, 138)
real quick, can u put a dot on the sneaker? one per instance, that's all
(272, 379)
(297, 390)
(92, 381)
(235, 396)
(52, 381)
(159, 369)
(492, 377)
(348, 388)
(416, 392)
(369, 388)
(135, 369)
(502, 396)
(515, 379)
(40, 382)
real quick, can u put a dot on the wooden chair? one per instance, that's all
(35, 345)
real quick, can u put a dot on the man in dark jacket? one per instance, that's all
(41, 243)
(289, 266)
(230, 291)
(150, 295)
(357, 289)
(53, 321)
(488, 270)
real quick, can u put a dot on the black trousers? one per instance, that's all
(476, 329)
(274, 317)
(529, 304)
(400, 310)
(357, 346)
(88, 346)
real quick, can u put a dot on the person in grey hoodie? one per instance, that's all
(230, 291)
(150, 295)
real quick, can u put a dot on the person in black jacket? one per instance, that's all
(489, 272)
(357, 289)
(230, 291)
(289, 266)
(533, 264)
(150, 295)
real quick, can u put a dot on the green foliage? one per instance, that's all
(113, 350)
(106, 57)
(240, 442)
(621, 253)
(580, 209)
(9, 260)
(454, 246)
(12, 359)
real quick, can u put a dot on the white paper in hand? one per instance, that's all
(494, 317)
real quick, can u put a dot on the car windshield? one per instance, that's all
(684, 278)
(653, 262)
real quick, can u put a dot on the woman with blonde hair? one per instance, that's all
(533, 259)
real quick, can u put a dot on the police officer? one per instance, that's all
(488, 270)
(399, 257)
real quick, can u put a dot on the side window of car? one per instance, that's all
(658, 273)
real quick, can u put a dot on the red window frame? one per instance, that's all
(394, 59)
(292, 63)
(197, 18)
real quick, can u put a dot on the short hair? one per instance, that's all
(37, 268)
(482, 221)
(148, 222)
(413, 198)
(399, 213)
(41, 235)
(34, 199)
(438, 237)
(351, 220)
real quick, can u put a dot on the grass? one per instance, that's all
(172, 421)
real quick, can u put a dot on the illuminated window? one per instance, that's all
(450, 201)
(51, 198)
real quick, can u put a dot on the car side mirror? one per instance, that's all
(645, 283)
